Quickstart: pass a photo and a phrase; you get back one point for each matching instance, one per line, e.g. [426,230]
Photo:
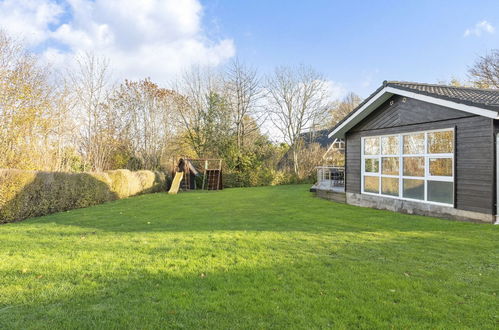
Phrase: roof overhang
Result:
[384,94]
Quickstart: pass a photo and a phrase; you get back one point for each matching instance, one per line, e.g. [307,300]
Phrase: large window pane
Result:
[426,160]
[413,189]
[414,143]
[372,165]
[371,146]
[441,142]
[390,165]
[390,186]
[414,166]
[390,145]
[440,166]
[371,184]
[441,192]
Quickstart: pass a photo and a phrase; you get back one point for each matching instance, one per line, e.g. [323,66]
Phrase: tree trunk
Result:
[295,160]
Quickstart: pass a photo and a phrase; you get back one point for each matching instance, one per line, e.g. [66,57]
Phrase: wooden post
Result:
[204,173]
[219,178]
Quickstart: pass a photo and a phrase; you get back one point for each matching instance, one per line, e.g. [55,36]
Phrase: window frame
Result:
[401,156]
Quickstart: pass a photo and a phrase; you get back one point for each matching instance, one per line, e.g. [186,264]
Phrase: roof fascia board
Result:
[360,114]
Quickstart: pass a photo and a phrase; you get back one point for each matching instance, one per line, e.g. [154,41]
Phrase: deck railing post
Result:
[334,175]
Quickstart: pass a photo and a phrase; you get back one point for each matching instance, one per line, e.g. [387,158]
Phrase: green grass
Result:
[272,257]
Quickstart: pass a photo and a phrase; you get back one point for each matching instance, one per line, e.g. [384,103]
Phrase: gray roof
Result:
[319,137]
[482,98]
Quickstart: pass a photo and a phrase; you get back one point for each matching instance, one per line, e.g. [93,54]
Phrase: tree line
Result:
[80,120]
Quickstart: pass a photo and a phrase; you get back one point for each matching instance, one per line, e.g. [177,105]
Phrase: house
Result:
[316,136]
[313,138]
[423,149]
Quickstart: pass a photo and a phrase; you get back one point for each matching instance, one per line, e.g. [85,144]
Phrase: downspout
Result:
[345,168]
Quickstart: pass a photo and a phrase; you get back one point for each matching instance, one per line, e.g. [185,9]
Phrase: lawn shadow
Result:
[277,209]
[270,258]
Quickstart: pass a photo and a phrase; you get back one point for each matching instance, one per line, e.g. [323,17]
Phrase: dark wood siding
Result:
[474,154]
[405,111]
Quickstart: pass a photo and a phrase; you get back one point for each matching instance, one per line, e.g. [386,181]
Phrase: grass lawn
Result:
[272,257]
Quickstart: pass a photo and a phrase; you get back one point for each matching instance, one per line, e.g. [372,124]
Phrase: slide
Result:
[176,183]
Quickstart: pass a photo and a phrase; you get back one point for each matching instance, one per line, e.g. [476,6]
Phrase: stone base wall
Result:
[409,207]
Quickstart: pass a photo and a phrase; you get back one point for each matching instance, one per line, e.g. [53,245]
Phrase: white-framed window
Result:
[416,166]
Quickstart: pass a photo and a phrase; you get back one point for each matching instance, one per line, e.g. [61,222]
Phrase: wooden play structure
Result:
[187,171]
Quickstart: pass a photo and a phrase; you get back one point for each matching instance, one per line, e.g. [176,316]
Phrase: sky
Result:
[355,44]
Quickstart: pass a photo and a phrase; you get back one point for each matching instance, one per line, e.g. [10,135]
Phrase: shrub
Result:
[127,183]
[233,179]
[262,177]
[123,183]
[25,194]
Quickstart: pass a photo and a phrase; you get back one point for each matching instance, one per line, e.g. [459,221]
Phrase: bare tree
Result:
[90,84]
[341,109]
[202,110]
[25,108]
[485,72]
[242,91]
[297,99]
[62,128]
[147,116]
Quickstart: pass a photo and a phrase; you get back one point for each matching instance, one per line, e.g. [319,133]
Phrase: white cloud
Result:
[479,28]
[29,20]
[335,91]
[368,78]
[149,38]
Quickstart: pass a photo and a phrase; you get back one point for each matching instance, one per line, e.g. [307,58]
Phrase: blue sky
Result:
[358,44]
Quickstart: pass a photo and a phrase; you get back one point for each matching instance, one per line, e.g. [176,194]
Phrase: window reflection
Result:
[371,146]
[440,166]
[390,186]
[414,143]
[441,142]
[390,145]
[413,189]
[372,165]
[371,184]
[441,192]
[413,166]
[390,165]
[426,171]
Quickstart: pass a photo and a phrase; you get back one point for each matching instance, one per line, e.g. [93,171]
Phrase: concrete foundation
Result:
[409,207]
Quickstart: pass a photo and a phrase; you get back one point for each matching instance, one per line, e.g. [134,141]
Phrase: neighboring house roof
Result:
[320,137]
[483,102]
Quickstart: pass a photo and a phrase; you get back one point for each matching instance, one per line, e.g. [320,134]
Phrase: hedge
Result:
[25,194]
[262,177]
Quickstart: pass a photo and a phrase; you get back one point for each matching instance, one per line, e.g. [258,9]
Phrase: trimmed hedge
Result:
[25,194]
[262,177]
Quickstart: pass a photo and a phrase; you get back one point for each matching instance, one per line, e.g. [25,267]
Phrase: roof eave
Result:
[387,92]
[359,114]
